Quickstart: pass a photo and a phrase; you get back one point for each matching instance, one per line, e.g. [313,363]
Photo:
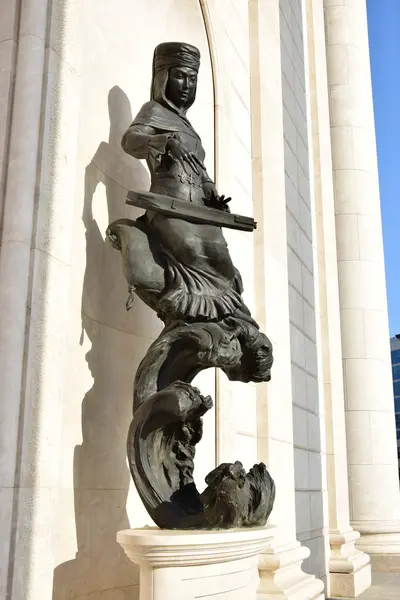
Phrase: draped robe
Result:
[201,280]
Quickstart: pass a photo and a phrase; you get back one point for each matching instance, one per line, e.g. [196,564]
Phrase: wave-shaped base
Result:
[167,425]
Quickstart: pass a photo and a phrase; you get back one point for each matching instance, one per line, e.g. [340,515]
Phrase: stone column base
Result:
[349,568]
[192,564]
[381,540]
[281,576]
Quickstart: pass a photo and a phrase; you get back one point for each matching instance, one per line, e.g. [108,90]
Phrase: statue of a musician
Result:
[177,261]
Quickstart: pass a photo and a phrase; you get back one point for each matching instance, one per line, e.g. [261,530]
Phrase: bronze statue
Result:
[176,260]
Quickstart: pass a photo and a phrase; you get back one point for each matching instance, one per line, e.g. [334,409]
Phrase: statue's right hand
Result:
[181,154]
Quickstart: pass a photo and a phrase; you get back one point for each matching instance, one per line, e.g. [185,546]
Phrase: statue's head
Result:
[175,68]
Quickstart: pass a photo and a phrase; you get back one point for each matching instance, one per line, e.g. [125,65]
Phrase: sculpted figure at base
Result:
[175,258]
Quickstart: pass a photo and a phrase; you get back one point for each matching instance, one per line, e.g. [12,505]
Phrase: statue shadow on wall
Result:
[101,475]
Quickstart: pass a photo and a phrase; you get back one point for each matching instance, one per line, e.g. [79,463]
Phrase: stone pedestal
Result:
[196,564]
[282,576]
[350,569]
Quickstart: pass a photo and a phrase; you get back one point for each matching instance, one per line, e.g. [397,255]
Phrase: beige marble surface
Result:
[281,571]
[374,499]
[385,586]
[196,564]
[69,349]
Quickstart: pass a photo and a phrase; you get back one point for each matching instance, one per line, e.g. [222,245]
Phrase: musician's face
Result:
[181,86]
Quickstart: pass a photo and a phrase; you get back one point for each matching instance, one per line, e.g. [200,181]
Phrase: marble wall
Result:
[75,350]
[69,491]
[236,402]
[308,419]
[8,43]
[70,350]
[8,39]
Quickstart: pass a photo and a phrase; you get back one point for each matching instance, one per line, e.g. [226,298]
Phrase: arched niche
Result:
[105,343]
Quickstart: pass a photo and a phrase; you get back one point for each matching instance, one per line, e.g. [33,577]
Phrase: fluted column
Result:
[370,425]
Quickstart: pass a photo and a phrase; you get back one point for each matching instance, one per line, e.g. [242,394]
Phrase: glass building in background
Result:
[395,354]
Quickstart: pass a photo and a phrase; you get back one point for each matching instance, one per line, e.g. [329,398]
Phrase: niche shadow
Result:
[101,476]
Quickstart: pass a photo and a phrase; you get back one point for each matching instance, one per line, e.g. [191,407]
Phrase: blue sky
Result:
[384,41]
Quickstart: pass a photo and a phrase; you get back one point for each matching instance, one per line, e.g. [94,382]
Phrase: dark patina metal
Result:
[176,260]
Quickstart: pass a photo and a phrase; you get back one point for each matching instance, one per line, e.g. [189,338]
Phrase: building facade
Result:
[285,112]
[395,356]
